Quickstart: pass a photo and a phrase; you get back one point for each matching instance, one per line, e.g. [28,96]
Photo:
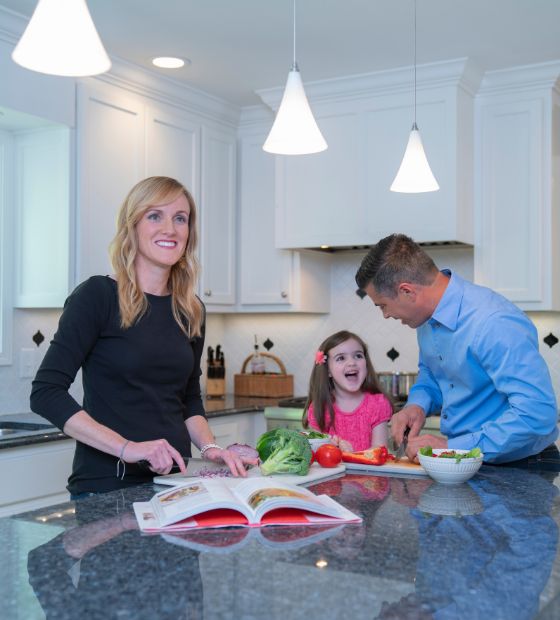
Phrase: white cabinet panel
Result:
[34,476]
[217,208]
[42,214]
[111,151]
[271,279]
[264,271]
[173,149]
[320,198]
[516,207]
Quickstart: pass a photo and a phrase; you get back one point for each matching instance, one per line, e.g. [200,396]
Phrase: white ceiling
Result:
[240,46]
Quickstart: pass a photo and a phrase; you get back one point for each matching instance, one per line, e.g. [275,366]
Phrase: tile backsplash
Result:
[295,336]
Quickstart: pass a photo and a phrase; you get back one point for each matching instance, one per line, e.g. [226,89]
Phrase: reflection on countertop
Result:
[215,407]
[492,552]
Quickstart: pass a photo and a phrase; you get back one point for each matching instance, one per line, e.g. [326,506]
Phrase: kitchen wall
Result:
[295,336]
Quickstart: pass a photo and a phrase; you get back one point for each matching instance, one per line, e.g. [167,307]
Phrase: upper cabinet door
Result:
[173,149]
[264,271]
[517,228]
[217,210]
[111,155]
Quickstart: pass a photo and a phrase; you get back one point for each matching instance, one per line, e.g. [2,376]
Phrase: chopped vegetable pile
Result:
[315,435]
[451,454]
[284,451]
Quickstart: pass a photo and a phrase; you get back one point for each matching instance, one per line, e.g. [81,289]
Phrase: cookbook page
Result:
[191,499]
[261,496]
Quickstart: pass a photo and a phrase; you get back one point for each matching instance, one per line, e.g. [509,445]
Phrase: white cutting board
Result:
[403,467]
[316,472]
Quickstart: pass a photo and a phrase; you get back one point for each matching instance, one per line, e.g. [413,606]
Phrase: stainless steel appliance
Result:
[397,384]
[287,414]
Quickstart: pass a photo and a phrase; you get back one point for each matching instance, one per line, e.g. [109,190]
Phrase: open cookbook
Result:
[252,503]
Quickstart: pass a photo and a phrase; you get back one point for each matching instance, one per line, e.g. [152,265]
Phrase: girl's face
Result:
[163,232]
[347,366]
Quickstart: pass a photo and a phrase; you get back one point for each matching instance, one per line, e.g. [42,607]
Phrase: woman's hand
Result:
[235,463]
[160,454]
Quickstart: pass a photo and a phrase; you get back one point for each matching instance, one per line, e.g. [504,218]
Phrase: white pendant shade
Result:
[414,175]
[294,131]
[61,39]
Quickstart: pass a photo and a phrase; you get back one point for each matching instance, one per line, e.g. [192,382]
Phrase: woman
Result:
[138,338]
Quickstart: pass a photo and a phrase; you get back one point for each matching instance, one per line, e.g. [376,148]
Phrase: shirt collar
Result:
[447,310]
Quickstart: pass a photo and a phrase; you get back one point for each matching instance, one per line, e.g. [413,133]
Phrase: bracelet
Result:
[122,449]
[119,475]
[207,447]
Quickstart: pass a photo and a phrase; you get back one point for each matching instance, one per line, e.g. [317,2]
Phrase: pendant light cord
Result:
[294,65]
[414,64]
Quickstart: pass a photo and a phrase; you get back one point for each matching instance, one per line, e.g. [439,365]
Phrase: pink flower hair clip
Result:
[320,358]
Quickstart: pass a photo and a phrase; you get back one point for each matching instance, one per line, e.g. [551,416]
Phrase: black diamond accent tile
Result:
[550,340]
[268,344]
[361,293]
[392,354]
[38,338]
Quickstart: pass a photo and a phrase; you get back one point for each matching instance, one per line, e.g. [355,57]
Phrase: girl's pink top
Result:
[356,426]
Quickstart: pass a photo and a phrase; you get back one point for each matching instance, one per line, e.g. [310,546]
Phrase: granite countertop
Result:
[215,407]
[484,549]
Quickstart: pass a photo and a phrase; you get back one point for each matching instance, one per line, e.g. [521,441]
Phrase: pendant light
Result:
[414,175]
[294,131]
[61,39]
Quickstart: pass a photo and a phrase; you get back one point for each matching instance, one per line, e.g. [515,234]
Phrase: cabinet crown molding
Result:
[524,77]
[460,72]
[144,82]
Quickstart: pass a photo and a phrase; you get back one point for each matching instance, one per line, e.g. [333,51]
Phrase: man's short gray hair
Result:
[395,259]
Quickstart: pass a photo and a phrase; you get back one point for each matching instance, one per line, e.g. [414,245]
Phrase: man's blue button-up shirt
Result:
[480,364]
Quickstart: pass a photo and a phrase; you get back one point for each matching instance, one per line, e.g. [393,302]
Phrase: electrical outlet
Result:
[27,364]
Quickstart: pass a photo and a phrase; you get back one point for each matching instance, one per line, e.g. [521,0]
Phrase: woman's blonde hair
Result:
[187,308]
[321,391]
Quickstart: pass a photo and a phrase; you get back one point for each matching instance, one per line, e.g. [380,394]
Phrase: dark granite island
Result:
[484,549]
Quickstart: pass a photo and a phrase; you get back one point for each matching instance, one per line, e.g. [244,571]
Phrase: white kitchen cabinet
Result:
[111,155]
[341,197]
[173,148]
[271,279]
[517,218]
[34,476]
[124,137]
[217,209]
[236,428]
[41,199]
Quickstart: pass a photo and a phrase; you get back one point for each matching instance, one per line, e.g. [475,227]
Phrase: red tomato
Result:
[328,455]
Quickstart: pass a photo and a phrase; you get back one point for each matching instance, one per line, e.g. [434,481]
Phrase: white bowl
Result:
[450,500]
[448,471]
[316,443]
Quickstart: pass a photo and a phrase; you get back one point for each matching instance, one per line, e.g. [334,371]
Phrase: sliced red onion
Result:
[244,450]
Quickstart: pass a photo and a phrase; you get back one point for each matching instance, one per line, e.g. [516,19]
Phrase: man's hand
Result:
[420,441]
[411,416]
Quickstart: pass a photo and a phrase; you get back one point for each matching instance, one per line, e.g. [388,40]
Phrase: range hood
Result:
[364,248]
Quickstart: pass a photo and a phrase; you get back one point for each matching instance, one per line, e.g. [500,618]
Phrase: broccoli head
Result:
[284,451]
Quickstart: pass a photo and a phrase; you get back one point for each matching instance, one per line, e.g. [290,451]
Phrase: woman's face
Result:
[163,232]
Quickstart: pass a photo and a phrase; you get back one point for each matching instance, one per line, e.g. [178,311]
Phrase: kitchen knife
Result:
[195,467]
[402,448]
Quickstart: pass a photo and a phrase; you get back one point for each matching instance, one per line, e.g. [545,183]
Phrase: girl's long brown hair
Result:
[187,308]
[321,389]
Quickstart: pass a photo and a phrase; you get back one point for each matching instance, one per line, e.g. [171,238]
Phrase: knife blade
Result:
[194,467]
[402,448]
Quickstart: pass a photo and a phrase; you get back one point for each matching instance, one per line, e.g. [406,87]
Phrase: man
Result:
[479,361]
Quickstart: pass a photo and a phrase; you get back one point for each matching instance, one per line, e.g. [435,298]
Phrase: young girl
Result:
[345,399]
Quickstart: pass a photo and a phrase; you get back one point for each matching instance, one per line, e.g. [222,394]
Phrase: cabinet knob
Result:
[283,294]
[208,293]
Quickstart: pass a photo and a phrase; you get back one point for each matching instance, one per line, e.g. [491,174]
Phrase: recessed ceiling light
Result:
[170,62]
